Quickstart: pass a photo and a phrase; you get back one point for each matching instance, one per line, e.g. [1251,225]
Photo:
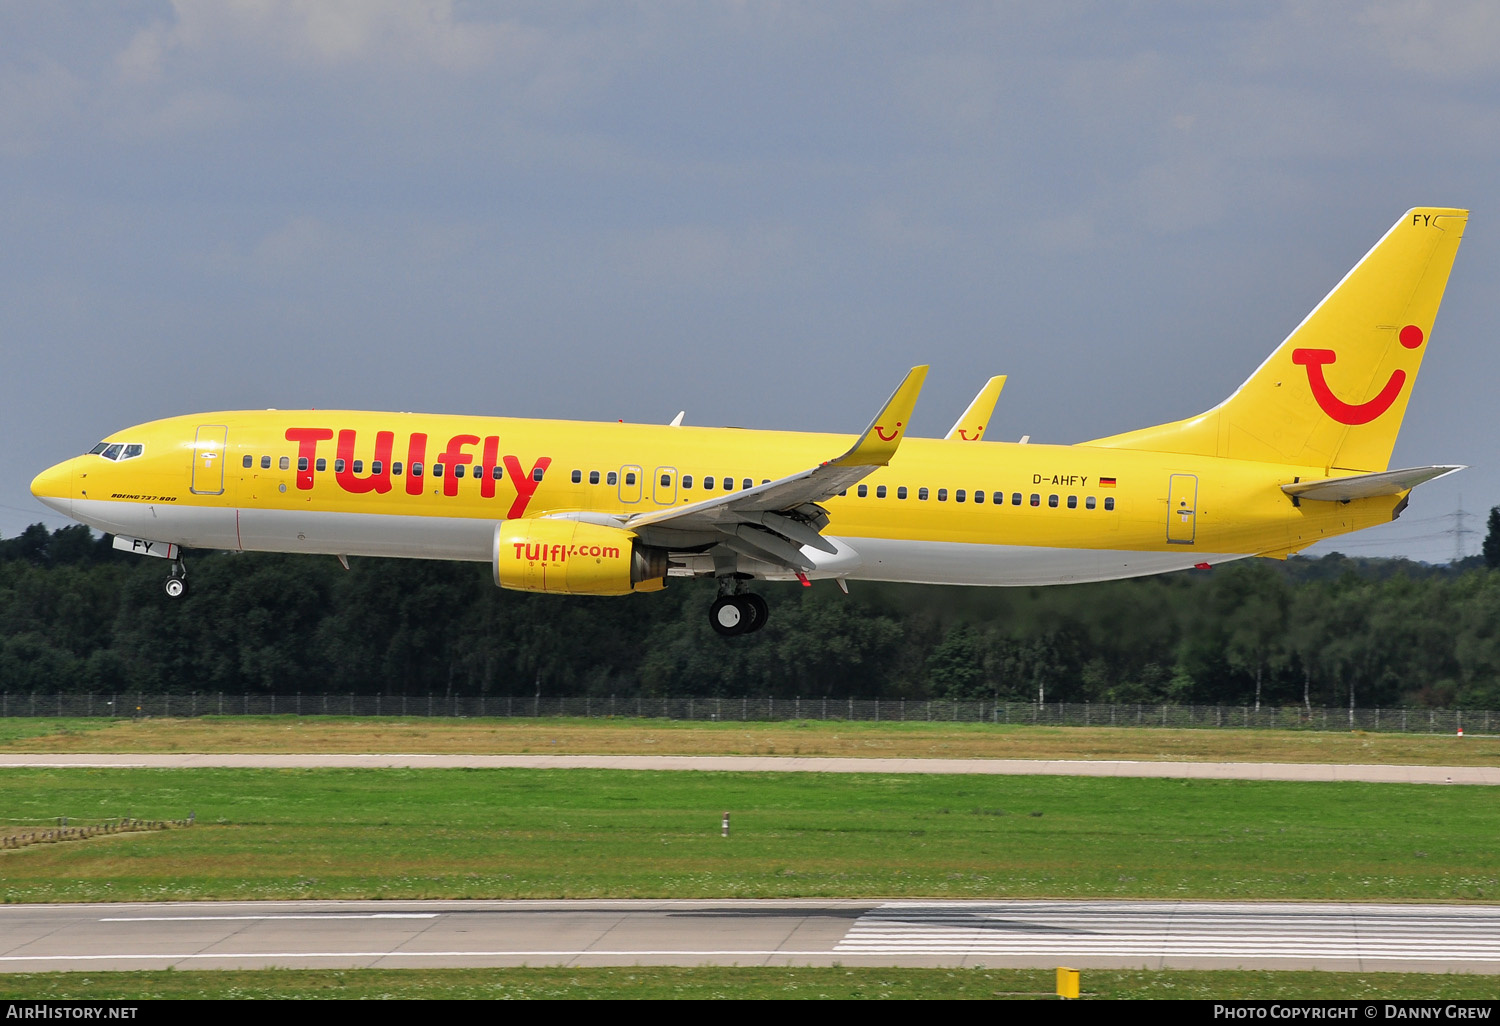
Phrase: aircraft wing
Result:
[772,521]
[1366,486]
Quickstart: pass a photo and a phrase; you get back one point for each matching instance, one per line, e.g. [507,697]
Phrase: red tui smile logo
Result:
[1349,413]
[887,437]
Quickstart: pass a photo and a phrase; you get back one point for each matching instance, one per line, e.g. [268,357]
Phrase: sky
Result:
[760,213]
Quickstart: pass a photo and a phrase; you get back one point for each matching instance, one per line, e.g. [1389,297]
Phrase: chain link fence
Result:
[762,709]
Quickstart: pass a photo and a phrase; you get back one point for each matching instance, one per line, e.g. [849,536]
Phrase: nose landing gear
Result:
[176,583]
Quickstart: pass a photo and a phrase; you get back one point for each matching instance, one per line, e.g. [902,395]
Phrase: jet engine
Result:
[570,557]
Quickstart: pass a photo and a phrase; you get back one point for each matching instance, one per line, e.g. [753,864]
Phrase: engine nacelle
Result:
[570,557]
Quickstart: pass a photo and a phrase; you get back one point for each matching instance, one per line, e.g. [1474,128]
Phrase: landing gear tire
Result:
[758,611]
[732,615]
[175,587]
[729,616]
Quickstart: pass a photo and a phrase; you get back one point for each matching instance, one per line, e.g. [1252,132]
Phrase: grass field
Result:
[595,833]
[667,737]
[523,833]
[714,983]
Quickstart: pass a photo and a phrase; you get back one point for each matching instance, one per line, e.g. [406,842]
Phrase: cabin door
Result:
[208,460]
[1182,509]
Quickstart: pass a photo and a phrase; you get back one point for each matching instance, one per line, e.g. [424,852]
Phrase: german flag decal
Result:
[1106,482]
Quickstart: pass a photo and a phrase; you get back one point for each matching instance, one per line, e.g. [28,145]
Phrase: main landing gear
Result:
[176,583]
[738,614]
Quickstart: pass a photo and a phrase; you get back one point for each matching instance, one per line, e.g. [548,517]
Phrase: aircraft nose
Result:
[54,487]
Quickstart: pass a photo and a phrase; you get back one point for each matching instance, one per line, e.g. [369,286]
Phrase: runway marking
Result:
[276,916]
[1023,929]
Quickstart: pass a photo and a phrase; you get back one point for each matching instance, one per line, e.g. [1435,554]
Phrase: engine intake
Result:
[570,557]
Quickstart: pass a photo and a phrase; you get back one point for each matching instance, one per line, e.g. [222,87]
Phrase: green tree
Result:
[1492,540]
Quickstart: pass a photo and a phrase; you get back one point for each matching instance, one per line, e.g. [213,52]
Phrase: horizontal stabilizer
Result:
[1366,486]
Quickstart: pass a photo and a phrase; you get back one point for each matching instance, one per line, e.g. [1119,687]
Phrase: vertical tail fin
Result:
[1334,393]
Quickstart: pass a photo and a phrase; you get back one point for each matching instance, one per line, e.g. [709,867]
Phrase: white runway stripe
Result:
[1150,929]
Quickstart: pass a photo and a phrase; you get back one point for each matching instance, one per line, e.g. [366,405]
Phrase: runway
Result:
[1327,772]
[994,934]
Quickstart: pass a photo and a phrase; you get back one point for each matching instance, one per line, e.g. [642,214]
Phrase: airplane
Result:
[1298,453]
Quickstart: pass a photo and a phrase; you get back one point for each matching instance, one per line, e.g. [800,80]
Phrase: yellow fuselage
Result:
[942,511]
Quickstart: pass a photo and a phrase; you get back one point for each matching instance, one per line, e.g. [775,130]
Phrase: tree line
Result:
[78,617]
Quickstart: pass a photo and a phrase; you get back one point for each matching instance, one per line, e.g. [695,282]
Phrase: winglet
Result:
[970,426]
[879,442]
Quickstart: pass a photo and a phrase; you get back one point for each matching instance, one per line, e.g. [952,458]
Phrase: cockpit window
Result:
[118,450]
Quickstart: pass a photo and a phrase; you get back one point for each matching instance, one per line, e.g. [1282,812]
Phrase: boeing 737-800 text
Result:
[1297,454]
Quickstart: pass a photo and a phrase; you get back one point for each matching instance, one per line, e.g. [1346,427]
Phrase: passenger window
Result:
[687,480]
[375,466]
[708,483]
[630,477]
[497,472]
[880,491]
[958,496]
[249,462]
[666,480]
[536,475]
[978,495]
[265,463]
[396,468]
[416,470]
[942,495]
[593,477]
[322,464]
[747,483]
[359,466]
[864,491]
[922,494]
[1036,500]
[999,498]
[286,463]
[1015,498]
[1089,502]
[437,470]
[1052,501]
[338,466]
[611,477]
[578,477]
[301,462]
[901,492]
[458,470]
[1072,502]
[1109,502]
